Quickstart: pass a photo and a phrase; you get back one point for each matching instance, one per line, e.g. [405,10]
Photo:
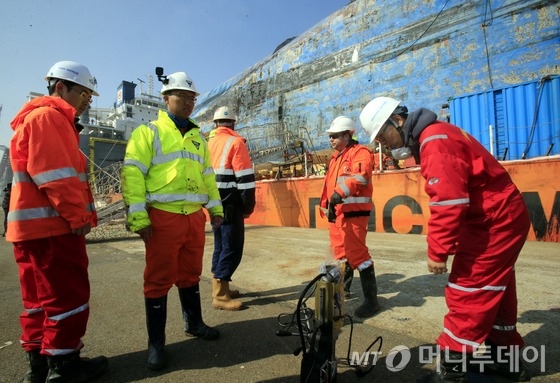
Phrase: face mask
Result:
[401,153]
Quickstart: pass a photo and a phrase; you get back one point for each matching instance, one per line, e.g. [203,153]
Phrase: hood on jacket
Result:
[415,123]
[44,102]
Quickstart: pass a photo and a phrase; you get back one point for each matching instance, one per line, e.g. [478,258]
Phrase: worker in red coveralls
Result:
[346,198]
[51,211]
[478,216]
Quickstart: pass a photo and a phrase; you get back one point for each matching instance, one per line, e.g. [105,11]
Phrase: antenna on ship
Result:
[141,82]
[151,84]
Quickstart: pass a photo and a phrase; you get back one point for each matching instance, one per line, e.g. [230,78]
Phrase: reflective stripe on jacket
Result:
[349,174]
[471,194]
[232,165]
[50,192]
[168,171]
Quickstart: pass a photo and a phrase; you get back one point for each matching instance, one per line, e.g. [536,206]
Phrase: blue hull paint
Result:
[424,53]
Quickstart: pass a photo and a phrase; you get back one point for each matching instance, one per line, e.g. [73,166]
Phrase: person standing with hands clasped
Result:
[51,211]
[167,179]
[347,201]
[478,216]
[236,181]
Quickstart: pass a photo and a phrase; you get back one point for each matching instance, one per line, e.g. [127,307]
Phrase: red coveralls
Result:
[478,215]
[349,174]
[50,197]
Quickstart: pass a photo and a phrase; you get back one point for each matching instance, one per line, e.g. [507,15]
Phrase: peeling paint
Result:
[424,56]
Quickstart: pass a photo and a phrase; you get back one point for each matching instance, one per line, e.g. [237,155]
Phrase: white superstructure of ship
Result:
[130,110]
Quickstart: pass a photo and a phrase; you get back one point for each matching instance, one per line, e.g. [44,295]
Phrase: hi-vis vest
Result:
[167,171]
[50,191]
[234,171]
[349,174]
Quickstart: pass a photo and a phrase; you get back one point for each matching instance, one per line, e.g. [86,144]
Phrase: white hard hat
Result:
[376,113]
[179,81]
[74,72]
[223,113]
[342,124]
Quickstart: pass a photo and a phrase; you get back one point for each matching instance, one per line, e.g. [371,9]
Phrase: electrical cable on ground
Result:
[308,329]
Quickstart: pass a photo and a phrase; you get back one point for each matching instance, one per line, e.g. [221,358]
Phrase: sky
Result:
[211,40]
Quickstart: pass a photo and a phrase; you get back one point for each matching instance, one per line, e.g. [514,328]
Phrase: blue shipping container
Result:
[517,122]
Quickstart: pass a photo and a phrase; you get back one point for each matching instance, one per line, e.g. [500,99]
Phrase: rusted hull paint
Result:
[400,204]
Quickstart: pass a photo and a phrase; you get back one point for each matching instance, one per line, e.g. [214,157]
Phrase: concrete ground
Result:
[277,265]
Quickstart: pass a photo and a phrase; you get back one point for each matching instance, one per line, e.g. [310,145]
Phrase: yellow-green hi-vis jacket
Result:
[168,171]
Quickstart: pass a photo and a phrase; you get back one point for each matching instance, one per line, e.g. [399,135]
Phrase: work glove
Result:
[331,214]
[336,198]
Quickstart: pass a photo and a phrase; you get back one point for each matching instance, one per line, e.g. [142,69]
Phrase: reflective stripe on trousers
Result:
[348,240]
[54,277]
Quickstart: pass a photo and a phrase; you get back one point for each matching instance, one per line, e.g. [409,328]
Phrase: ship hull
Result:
[424,53]
[400,203]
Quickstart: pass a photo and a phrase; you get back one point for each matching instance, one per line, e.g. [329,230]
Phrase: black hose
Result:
[535,116]
[298,309]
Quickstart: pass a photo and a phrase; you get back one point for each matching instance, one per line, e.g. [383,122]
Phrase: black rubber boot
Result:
[71,368]
[38,367]
[348,278]
[503,365]
[192,314]
[156,317]
[452,369]
[370,305]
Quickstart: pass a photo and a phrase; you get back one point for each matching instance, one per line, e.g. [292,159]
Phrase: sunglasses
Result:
[334,136]
[85,95]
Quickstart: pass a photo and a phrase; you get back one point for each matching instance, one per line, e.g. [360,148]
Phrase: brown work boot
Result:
[232,293]
[221,299]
